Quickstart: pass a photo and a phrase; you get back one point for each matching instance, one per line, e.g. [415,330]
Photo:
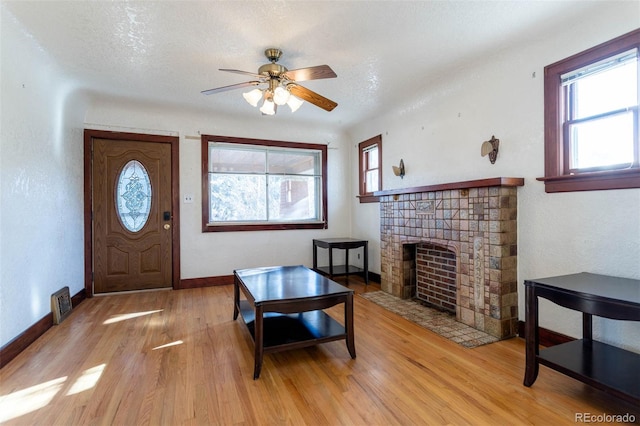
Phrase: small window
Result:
[591,119]
[260,185]
[601,109]
[370,165]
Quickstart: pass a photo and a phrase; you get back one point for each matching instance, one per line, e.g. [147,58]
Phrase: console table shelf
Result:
[340,270]
[597,364]
[605,367]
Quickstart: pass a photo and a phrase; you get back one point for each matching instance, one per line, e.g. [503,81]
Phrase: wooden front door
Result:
[132,213]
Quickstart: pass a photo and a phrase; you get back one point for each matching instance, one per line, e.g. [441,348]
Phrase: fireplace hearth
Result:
[471,228]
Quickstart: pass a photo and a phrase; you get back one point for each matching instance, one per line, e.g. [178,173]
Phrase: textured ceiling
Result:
[382,51]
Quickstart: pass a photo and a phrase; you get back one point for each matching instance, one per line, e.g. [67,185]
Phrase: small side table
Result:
[605,367]
[346,269]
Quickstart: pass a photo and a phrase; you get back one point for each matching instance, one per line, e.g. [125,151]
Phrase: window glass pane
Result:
[133,196]
[293,198]
[372,181]
[261,185]
[609,90]
[223,159]
[237,197]
[292,163]
[602,142]
[372,157]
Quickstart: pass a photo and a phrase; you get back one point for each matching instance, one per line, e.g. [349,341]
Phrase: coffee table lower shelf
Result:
[290,331]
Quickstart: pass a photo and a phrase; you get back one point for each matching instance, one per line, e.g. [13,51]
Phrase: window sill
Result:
[593,181]
[264,227]
[368,198]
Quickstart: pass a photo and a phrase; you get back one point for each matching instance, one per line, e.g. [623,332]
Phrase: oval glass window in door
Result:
[133,196]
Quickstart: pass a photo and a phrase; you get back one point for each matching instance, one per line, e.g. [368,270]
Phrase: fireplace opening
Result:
[436,277]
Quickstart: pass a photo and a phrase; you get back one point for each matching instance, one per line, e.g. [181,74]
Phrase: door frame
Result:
[89,136]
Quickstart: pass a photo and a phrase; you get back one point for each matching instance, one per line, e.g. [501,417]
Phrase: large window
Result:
[370,166]
[251,184]
[592,118]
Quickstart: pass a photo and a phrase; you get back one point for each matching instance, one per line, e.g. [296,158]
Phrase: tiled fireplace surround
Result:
[476,220]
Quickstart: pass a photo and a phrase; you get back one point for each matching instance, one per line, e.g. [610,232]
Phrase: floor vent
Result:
[60,305]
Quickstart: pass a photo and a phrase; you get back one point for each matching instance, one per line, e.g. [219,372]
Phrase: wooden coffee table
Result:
[283,309]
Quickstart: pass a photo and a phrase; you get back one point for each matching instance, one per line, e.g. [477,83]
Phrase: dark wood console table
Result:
[608,368]
[346,269]
[283,309]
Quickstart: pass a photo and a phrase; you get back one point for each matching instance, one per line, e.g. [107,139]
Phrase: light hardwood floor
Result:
[177,357]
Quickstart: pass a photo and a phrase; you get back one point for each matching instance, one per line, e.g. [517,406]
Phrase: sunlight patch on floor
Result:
[27,400]
[87,380]
[124,317]
[167,345]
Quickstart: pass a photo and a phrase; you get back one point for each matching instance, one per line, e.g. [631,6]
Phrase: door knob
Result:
[167,226]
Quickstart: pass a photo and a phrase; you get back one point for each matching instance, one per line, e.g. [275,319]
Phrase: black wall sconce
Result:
[399,170]
[490,147]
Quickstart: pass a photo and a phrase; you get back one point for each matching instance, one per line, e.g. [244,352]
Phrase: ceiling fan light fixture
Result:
[294,103]
[253,97]
[283,87]
[280,95]
[268,107]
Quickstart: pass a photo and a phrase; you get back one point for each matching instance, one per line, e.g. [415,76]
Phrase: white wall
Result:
[439,133]
[219,253]
[41,214]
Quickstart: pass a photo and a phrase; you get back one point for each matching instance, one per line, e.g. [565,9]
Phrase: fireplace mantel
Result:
[479,183]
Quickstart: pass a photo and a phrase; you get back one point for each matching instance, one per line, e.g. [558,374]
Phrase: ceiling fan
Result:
[282,85]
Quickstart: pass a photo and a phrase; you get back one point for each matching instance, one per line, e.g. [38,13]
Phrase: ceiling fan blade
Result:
[310,73]
[230,87]
[312,97]
[262,77]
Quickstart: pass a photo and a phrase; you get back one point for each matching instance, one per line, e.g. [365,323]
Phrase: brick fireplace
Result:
[436,276]
[470,230]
